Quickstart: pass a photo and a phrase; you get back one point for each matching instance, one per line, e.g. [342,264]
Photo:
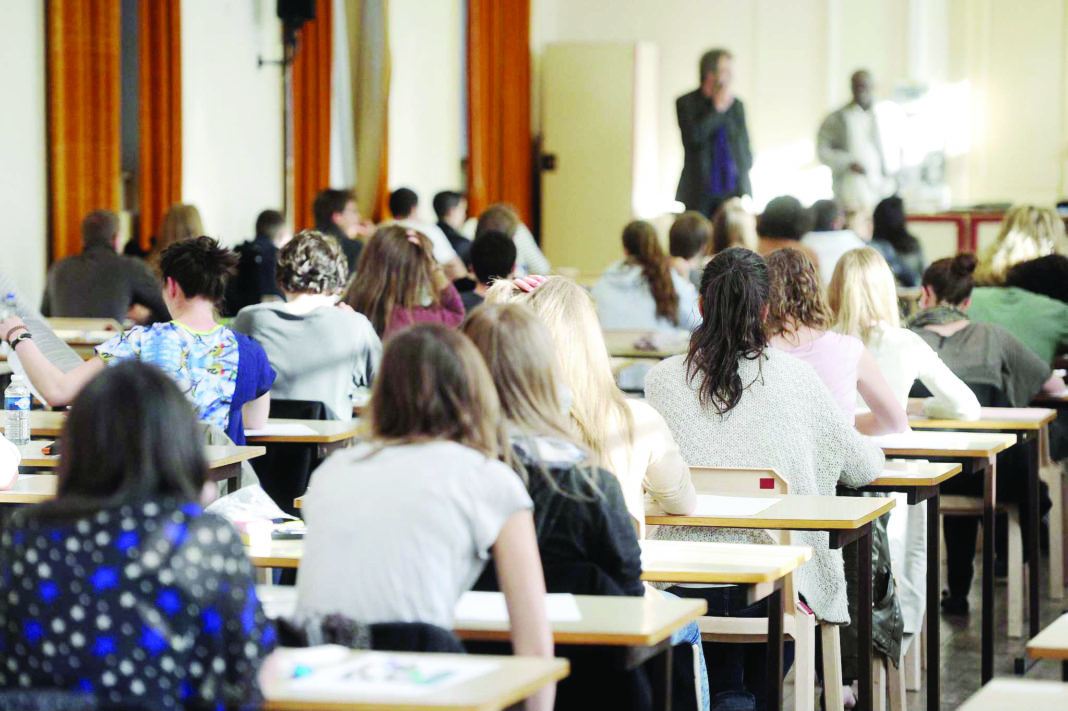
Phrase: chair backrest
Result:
[738,482]
[286,468]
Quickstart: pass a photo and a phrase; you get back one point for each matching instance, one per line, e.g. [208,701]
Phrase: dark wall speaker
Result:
[296,12]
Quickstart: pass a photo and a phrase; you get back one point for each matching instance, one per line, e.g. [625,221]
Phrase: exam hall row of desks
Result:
[976,451]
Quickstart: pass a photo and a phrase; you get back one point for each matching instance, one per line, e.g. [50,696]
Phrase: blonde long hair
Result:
[518,350]
[599,410]
[1027,232]
[862,293]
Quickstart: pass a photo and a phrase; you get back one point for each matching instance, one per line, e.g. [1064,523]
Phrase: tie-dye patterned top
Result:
[218,370]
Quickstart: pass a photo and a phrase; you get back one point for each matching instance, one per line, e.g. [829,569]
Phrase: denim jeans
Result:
[737,673]
[691,634]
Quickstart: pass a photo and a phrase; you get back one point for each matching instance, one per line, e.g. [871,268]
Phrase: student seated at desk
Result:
[585,535]
[122,586]
[628,437]
[782,224]
[982,355]
[689,244]
[733,401]
[398,283]
[863,297]
[225,374]
[400,526]
[798,322]
[320,350]
[642,291]
[493,257]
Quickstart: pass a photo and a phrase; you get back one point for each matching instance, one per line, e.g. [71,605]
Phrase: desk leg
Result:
[989,484]
[1032,533]
[1064,671]
[660,676]
[934,569]
[775,643]
[865,679]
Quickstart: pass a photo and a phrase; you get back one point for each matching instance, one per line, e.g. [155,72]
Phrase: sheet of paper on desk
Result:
[900,440]
[716,505]
[281,429]
[379,674]
[490,607]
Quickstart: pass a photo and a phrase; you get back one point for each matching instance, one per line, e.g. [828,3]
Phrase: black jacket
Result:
[351,247]
[698,122]
[587,541]
[254,279]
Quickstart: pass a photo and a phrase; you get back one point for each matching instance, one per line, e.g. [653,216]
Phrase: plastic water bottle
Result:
[8,309]
[17,411]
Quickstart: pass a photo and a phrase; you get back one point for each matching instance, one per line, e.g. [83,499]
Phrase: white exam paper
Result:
[716,505]
[490,607]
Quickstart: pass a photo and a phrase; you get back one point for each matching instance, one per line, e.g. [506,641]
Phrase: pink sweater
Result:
[450,312]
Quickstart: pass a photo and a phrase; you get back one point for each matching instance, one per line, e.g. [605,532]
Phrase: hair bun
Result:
[964,264]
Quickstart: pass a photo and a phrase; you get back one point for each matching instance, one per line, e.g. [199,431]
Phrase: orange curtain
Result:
[83,64]
[159,112]
[498,113]
[311,113]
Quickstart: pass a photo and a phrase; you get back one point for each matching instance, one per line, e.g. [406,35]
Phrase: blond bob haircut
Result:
[599,411]
[1027,232]
[518,349]
[433,385]
[181,222]
[862,293]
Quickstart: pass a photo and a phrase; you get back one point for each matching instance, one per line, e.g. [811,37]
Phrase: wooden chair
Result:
[799,623]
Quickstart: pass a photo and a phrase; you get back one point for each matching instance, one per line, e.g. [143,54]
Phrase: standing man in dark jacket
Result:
[714,137]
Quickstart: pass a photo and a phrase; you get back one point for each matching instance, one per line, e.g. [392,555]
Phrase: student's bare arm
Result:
[522,581]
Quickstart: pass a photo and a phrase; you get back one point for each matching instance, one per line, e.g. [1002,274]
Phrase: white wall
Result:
[23,179]
[793,59]
[425,95]
[231,113]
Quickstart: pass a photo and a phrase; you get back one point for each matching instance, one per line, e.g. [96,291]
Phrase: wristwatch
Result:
[24,336]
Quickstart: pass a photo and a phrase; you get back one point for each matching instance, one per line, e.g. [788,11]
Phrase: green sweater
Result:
[1039,321]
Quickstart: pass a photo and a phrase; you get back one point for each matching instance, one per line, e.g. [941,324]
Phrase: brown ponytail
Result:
[643,248]
[951,278]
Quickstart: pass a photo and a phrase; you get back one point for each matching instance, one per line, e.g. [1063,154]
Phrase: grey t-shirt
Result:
[399,534]
[322,355]
[987,354]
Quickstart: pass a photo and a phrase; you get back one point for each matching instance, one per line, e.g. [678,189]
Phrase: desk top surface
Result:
[701,562]
[623,344]
[605,620]
[217,455]
[662,561]
[790,512]
[925,443]
[1012,419]
[1052,642]
[1004,694]
[44,423]
[508,681]
[903,473]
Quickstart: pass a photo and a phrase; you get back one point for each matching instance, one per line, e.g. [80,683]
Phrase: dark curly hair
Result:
[796,297]
[311,263]
[734,290]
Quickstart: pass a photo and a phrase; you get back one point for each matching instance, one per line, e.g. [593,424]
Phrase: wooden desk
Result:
[920,482]
[760,568]
[31,489]
[224,462]
[44,423]
[513,680]
[845,519]
[977,453]
[1025,423]
[1054,399]
[1052,643]
[621,344]
[1018,694]
[633,630]
[85,324]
